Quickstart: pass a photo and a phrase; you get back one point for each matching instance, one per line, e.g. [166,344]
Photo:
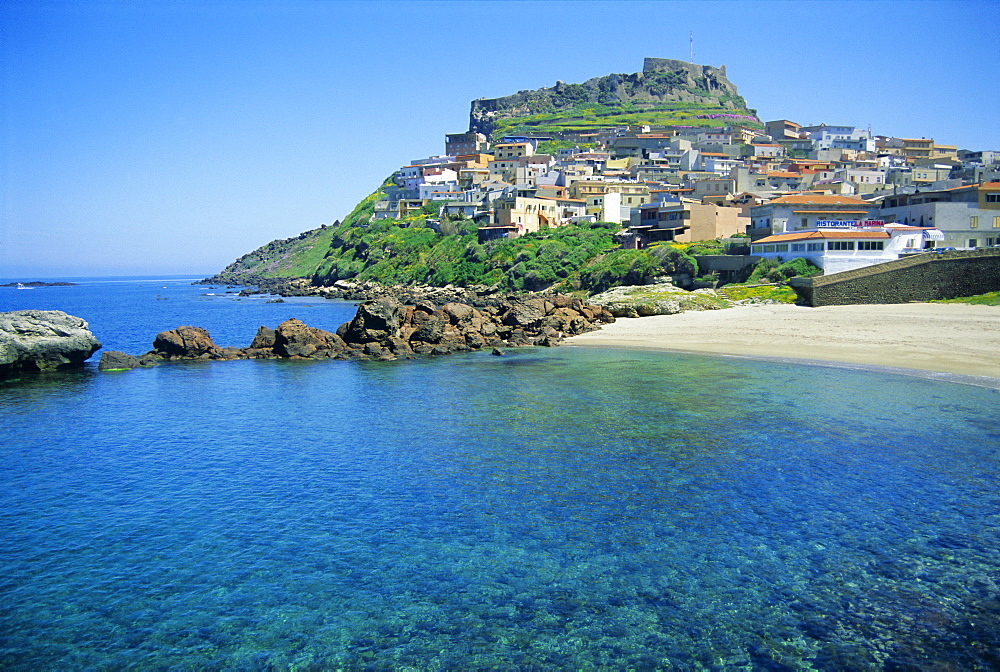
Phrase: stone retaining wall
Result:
[921,277]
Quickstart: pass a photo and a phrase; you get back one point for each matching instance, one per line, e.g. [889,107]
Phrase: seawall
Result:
[921,277]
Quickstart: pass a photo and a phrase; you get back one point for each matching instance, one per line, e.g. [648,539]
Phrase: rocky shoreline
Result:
[477,296]
[383,329]
[661,298]
[387,329]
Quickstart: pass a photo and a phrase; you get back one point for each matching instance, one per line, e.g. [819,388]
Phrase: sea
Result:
[553,508]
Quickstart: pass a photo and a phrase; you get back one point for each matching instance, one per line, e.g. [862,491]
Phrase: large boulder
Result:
[375,320]
[185,343]
[525,312]
[429,326]
[43,340]
[293,338]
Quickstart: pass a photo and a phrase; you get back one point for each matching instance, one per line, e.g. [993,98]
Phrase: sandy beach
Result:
[949,338]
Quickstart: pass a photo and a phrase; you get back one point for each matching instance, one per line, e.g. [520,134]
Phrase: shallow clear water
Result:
[563,508]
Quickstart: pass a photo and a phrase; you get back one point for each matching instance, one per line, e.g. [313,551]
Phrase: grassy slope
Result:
[988,299]
[595,117]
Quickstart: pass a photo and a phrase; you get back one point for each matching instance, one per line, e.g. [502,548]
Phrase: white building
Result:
[845,246]
[798,212]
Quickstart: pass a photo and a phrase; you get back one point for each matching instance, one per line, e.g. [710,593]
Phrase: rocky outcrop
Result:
[386,329]
[43,340]
[661,81]
[186,342]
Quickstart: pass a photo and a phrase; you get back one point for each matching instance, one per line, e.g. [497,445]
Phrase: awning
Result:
[934,234]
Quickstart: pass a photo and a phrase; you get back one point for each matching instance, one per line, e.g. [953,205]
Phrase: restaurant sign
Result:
[848,224]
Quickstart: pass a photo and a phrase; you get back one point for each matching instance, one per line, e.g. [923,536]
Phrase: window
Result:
[996,222]
[798,247]
[769,248]
[814,247]
[870,244]
[840,245]
[783,247]
[993,198]
[974,222]
[805,223]
[973,243]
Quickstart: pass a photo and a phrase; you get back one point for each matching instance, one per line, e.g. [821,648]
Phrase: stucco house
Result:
[968,216]
[683,220]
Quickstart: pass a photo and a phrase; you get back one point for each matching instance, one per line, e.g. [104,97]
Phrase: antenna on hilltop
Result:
[692,46]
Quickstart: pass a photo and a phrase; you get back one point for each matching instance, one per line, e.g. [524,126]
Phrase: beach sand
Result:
[951,338]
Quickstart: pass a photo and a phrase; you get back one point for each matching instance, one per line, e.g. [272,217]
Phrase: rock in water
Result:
[115,360]
[375,320]
[185,343]
[293,338]
[43,340]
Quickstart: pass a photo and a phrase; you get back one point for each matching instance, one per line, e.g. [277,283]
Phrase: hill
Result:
[424,247]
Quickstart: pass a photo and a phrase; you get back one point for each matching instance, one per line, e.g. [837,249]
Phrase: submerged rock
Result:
[115,360]
[43,340]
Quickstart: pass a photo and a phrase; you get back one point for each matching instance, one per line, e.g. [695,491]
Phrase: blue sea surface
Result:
[567,508]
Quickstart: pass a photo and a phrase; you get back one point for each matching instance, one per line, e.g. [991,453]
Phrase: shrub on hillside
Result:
[773,270]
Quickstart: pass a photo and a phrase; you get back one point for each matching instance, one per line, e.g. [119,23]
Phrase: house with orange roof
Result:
[798,212]
[845,246]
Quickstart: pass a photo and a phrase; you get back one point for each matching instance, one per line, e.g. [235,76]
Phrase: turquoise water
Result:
[551,509]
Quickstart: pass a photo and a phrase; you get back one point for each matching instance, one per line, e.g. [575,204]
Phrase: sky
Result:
[172,137]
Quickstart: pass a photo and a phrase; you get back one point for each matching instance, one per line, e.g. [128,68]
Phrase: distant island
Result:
[36,283]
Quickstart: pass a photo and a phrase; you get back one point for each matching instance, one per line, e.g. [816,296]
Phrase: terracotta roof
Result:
[783,173]
[824,235]
[819,199]
[553,198]
[829,212]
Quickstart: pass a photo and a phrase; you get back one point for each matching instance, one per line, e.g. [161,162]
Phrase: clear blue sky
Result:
[173,137]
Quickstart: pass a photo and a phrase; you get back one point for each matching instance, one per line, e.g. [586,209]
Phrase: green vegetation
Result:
[553,146]
[779,293]
[988,299]
[589,116]
[773,270]
[570,256]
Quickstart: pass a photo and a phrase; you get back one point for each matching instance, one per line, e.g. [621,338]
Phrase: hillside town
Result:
[839,196]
